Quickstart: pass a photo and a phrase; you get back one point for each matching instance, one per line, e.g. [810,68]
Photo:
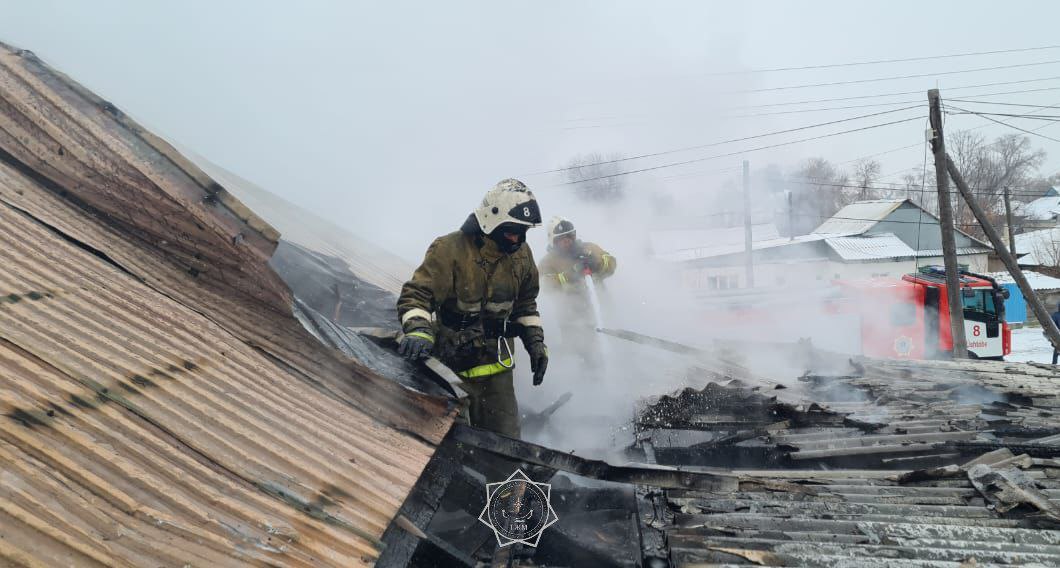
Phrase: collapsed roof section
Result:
[983,513]
[160,402]
[876,463]
[883,415]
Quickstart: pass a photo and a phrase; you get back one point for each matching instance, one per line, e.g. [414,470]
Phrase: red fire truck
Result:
[910,318]
[904,318]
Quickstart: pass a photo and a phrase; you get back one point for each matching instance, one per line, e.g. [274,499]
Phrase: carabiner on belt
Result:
[502,339]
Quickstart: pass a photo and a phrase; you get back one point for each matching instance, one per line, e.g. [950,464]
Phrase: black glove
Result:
[538,361]
[417,342]
[534,341]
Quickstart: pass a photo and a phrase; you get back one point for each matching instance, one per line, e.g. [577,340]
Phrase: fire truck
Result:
[910,318]
[905,318]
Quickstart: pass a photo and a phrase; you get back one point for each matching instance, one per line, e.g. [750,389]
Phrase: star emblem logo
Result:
[518,509]
[903,346]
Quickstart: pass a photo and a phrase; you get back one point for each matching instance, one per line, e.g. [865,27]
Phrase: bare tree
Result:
[988,167]
[597,177]
[866,172]
[916,188]
[819,190]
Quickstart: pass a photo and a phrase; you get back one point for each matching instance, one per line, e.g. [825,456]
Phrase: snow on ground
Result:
[1028,344]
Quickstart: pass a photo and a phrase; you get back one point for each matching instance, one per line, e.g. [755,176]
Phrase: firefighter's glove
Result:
[534,342]
[538,361]
[591,262]
[417,342]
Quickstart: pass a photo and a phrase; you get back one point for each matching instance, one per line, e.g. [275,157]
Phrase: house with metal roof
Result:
[877,238]
[1041,213]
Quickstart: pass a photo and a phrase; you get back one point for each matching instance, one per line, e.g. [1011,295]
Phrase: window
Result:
[979,304]
[712,282]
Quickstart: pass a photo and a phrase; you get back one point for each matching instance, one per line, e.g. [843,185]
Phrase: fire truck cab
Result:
[910,318]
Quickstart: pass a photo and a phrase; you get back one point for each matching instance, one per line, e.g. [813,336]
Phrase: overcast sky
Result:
[393,118]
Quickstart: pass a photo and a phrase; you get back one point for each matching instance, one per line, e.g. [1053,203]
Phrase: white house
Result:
[1041,213]
[1039,248]
[880,238]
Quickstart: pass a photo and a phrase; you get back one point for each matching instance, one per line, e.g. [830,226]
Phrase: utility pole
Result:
[791,215]
[747,236]
[1008,223]
[1010,261]
[949,246]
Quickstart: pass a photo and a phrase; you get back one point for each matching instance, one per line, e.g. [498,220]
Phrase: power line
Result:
[1036,107]
[672,164]
[826,217]
[1008,125]
[896,78]
[897,188]
[805,110]
[881,61]
[999,103]
[838,99]
[1046,117]
[951,89]
[712,144]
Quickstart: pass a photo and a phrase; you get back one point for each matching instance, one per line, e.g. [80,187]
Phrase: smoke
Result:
[648,296]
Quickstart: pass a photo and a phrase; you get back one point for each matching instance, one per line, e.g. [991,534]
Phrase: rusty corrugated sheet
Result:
[160,404]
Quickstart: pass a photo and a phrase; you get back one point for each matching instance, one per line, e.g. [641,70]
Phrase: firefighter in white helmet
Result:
[564,270]
[476,290]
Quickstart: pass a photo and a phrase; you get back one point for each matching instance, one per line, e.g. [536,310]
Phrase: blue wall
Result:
[1015,306]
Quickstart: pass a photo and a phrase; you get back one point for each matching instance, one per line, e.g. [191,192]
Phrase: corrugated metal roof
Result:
[161,404]
[828,468]
[884,246]
[1037,280]
[839,519]
[870,247]
[1041,209]
[1039,248]
[856,218]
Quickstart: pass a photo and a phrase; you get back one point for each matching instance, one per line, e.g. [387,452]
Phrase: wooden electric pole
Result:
[949,246]
[747,236]
[1008,223]
[1044,318]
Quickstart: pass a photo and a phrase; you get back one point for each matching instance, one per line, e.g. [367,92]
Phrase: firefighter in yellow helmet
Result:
[476,290]
[564,270]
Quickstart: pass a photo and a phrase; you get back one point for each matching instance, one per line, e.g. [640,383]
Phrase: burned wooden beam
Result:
[657,476]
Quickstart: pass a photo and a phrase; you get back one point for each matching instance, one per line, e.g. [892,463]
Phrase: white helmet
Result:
[508,202]
[559,226]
